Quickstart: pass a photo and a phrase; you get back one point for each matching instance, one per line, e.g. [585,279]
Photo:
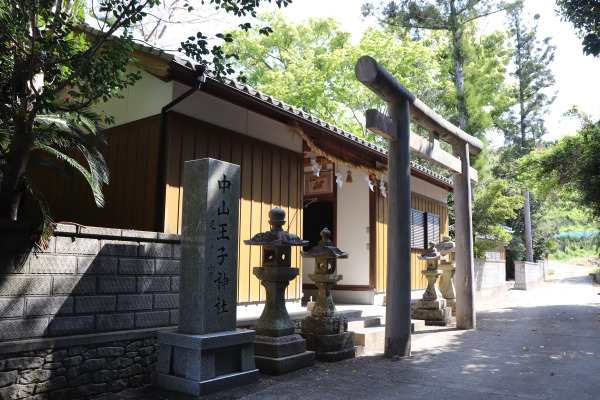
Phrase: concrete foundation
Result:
[199,364]
[280,355]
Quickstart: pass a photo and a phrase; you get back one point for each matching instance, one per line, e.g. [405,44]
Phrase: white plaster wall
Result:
[352,223]
[218,112]
[144,99]
[424,188]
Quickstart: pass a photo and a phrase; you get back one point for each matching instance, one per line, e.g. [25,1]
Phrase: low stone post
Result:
[325,331]
[277,348]
[432,307]
[448,267]
[207,353]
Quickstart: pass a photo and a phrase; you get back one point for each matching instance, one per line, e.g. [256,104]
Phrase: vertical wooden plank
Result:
[173,178]
[140,181]
[266,198]
[128,203]
[294,210]
[256,217]
[213,143]
[150,176]
[202,134]
[225,148]
[276,180]
[120,178]
[245,268]
[111,163]
[188,148]
[243,249]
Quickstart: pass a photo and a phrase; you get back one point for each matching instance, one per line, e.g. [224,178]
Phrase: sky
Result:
[573,71]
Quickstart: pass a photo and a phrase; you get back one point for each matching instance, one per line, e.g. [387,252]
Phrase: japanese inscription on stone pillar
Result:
[208,285]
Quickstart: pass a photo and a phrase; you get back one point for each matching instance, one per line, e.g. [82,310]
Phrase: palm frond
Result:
[48,224]
[91,178]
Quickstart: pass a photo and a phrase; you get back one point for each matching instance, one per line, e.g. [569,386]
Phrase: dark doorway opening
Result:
[317,216]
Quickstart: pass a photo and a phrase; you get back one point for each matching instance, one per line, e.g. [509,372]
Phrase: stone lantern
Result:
[277,348]
[446,247]
[432,307]
[325,331]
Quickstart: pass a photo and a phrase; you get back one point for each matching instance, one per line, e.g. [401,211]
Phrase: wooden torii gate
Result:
[403,106]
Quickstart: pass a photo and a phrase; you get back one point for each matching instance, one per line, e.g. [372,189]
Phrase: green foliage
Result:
[570,247]
[467,68]
[311,66]
[585,16]
[491,211]
[572,165]
[45,58]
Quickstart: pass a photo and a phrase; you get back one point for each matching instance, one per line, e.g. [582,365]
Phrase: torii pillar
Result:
[402,107]
[398,291]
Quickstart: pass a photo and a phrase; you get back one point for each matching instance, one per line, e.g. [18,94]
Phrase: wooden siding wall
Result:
[131,157]
[420,203]
[270,177]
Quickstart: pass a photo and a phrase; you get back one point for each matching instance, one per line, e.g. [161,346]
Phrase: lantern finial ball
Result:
[276,219]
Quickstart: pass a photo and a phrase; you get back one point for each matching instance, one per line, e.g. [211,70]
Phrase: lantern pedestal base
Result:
[434,312]
[199,364]
[328,337]
[336,347]
[280,355]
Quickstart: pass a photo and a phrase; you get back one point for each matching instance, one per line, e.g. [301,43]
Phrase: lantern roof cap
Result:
[325,248]
[276,236]
[446,245]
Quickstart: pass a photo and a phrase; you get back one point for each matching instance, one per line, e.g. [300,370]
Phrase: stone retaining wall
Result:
[89,280]
[527,275]
[81,317]
[76,368]
[490,279]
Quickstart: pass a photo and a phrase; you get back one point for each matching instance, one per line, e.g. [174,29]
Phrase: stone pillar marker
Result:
[206,353]
[446,248]
[325,331]
[278,349]
[432,307]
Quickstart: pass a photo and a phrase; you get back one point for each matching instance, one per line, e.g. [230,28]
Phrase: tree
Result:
[585,16]
[454,17]
[572,165]
[45,58]
[311,66]
[491,211]
[533,75]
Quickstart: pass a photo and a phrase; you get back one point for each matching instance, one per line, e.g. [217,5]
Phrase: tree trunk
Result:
[458,66]
[528,238]
[11,187]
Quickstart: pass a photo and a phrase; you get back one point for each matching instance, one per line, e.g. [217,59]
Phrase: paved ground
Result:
[539,344]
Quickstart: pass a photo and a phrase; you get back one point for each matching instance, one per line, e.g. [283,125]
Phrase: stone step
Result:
[371,335]
[355,324]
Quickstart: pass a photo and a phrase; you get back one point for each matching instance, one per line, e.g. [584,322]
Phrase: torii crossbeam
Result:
[403,106]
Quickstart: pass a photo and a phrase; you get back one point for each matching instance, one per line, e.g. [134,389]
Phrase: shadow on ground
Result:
[539,346]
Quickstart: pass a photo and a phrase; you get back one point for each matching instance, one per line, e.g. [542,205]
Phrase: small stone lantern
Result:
[432,307]
[277,348]
[325,331]
[446,247]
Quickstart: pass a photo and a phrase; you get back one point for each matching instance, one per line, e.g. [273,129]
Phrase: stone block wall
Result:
[489,279]
[89,280]
[527,275]
[77,369]
[80,318]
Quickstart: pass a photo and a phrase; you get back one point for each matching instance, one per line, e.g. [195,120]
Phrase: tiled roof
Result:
[249,91]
